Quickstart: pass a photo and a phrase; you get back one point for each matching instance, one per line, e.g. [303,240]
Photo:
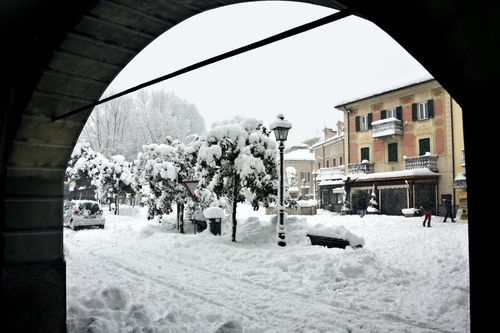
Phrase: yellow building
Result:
[460,181]
[406,145]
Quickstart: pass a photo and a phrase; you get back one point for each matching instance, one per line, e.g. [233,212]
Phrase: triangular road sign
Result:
[191,186]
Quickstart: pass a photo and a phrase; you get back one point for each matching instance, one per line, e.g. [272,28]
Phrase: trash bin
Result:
[214,216]
[215,225]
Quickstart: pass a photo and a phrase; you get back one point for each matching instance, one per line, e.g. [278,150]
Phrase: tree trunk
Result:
[180,217]
[117,205]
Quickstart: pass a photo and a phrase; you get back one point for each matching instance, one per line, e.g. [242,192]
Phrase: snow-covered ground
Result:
[141,276]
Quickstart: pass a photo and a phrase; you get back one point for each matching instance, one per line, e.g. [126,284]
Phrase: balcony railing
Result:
[428,161]
[460,181]
[330,173]
[387,127]
[365,167]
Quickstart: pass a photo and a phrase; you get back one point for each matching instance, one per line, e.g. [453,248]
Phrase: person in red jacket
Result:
[427,212]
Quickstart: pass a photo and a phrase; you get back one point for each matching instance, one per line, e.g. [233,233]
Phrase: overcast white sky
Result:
[303,76]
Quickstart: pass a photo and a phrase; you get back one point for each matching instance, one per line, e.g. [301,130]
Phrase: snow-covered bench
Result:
[330,242]
[336,236]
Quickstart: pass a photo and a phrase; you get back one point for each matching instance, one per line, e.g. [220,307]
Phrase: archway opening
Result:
[281,69]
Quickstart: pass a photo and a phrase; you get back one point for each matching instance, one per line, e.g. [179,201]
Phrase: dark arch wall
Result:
[60,55]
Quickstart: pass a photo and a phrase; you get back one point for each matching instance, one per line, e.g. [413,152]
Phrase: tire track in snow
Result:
[251,299]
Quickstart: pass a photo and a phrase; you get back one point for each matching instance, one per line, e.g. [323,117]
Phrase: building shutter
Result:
[370,119]
[392,152]
[357,124]
[399,113]
[430,108]
[414,112]
[383,114]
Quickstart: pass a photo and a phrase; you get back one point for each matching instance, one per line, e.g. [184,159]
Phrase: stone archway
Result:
[60,55]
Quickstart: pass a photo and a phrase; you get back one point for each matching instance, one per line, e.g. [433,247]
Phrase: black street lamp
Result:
[281,127]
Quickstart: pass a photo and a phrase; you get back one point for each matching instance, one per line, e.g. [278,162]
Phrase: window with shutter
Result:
[365,154]
[364,123]
[392,152]
[399,113]
[391,113]
[423,111]
[424,146]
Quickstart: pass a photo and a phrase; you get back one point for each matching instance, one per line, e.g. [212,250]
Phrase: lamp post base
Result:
[281,239]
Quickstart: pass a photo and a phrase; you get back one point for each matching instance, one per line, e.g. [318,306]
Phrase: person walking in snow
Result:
[255,204]
[427,212]
[362,204]
[347,191]
[447,206]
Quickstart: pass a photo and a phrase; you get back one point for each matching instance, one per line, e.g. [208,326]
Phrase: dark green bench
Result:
[330,242]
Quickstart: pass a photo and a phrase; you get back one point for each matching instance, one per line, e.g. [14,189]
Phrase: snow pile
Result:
[307,203]
[409,211]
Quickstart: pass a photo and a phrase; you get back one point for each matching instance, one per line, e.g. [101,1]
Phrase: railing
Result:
[330,173]
[386,127]
[426,161]
[460,181]
[365,167]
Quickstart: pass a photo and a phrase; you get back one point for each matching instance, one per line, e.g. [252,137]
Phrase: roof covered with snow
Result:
[299,155]
[410,84]
[329,140]
[394,174]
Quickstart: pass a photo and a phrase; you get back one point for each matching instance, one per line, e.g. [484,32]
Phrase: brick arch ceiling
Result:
[60,55]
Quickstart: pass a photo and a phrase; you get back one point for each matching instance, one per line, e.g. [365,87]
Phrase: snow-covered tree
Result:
[373,208]
[187,169]
[116,179]
[162,169]
[84,168]
[144,181]
[237,154]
